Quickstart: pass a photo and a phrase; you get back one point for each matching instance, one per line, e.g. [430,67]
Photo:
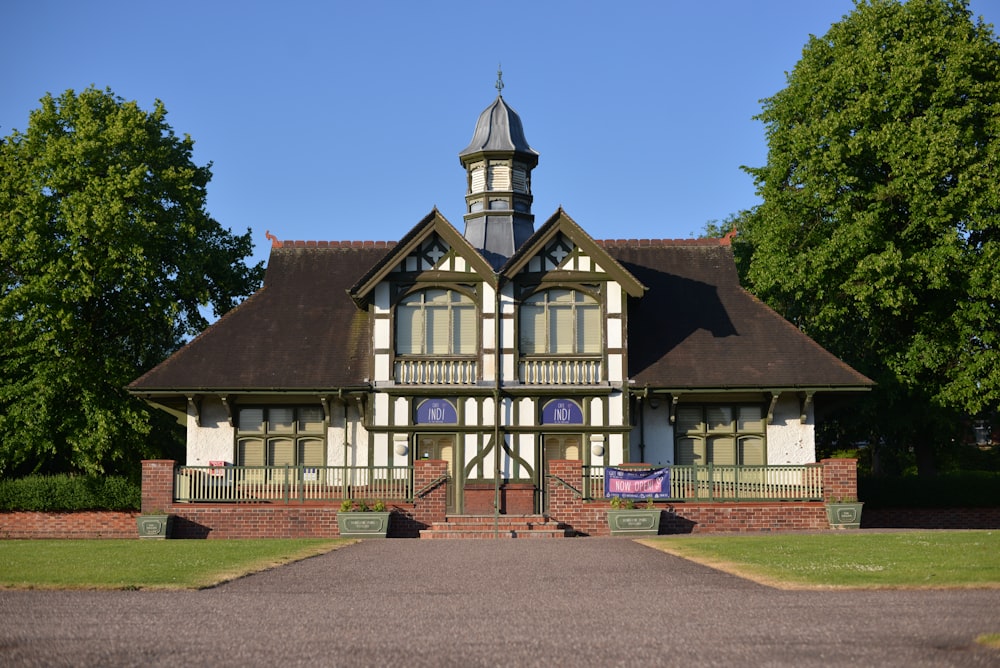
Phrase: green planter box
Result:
[154,526]
[844,515]
[363,525]
[634,522]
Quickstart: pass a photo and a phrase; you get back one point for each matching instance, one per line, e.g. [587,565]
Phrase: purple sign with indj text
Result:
[562,411]
[436,411]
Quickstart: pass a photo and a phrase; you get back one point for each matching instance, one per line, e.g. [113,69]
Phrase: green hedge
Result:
[66,492]
[959,489]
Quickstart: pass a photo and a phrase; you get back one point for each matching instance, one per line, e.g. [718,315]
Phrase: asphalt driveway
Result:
[580,602]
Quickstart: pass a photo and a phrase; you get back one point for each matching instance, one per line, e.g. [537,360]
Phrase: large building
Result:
[499,350]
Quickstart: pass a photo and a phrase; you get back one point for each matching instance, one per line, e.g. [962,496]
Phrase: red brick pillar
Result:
[563,501]
[157,484]
[840,479]
[431,506]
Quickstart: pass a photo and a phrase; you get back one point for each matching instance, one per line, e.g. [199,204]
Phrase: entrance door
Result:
[556,446]
[442,446]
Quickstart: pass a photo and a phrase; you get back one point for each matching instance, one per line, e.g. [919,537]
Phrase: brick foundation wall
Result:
[585,517]
[80,524]
[515,499]
[590,517]
[267,520]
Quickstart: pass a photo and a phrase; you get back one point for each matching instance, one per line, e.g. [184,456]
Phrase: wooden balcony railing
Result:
[560,371]
[291,484]
[729,483]
[437,371]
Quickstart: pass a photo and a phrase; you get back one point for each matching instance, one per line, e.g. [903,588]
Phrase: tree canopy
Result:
[879,231]
[107,258]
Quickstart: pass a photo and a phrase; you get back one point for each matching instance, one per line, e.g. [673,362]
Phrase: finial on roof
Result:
[499,83]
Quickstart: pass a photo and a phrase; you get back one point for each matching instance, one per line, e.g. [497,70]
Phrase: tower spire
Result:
[498,164]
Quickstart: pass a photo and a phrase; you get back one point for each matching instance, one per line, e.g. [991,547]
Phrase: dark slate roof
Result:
[697,328]
[498,129]
[300,331]
[694,327]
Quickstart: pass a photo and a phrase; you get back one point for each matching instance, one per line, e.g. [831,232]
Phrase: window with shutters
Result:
[281,435]
[436,322]
[560,322]
[720,434]
[561,338]
[436,338]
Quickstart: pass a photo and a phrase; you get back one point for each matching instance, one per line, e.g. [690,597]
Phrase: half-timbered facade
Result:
[498,350]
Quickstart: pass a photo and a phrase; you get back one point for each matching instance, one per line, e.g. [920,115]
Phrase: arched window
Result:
[560,322]
[436,322]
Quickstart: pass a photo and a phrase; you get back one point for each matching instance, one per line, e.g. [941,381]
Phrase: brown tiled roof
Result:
[300,331]
[697,328]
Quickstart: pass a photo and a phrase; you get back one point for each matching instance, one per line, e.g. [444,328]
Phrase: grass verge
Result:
[848,560]
[145,564]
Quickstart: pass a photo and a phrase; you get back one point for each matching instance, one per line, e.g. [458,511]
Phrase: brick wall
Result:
[565,505]
[590,517]
[840,479]
[266,520]
[82,524]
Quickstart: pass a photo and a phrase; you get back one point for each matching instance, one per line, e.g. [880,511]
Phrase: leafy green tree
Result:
[715,229]
[879,231]
[107,255]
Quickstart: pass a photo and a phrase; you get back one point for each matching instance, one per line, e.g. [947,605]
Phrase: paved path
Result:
[578,602]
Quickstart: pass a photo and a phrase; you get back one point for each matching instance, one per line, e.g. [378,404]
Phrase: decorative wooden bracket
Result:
[770,409]
[194,406]
[224,398]
[806,401]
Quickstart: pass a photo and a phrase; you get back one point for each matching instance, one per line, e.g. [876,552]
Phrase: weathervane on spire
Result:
[499,80]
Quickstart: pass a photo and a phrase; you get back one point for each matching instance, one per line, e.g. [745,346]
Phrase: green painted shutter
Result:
[310,419]
[281,420]
[310,452]
[250,452]
[752,451]
[688,420]
[722,450]
[690,451]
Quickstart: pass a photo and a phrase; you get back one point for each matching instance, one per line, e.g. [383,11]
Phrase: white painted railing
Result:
[560,371]
[730,483]
[290,484]
[436,372]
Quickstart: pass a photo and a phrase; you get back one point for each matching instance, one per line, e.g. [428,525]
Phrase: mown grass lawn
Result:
[145,564]
[919,559]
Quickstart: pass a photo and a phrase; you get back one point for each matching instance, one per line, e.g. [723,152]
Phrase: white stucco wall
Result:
[214,439]
[789,441]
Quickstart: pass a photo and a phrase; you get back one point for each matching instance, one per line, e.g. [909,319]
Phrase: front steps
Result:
[504,526]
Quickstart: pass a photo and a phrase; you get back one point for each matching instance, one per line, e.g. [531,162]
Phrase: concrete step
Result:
[486,526]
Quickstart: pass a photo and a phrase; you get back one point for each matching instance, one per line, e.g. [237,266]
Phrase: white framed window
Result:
[560,322]
[436,322]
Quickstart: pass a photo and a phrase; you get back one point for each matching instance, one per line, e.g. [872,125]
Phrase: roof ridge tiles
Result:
[659,243]
[299,243]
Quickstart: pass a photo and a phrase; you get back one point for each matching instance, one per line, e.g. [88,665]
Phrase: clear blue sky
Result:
[343,120]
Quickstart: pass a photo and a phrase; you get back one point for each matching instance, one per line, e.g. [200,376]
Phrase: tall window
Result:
[715,434]
[564,322]
[436,322]
[280,435]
